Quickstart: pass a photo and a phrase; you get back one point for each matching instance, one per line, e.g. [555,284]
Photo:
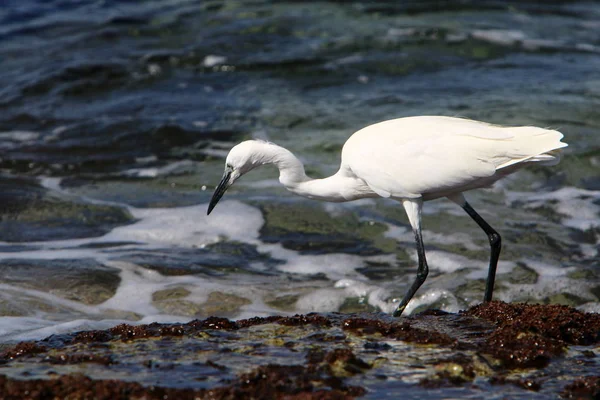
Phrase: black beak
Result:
[220,190]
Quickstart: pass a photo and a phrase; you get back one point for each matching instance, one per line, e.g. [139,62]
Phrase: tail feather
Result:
[547,159]
[531,144]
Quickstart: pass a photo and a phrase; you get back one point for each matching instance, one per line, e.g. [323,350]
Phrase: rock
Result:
[83,280]
[172,301]
[522,274]
[29,212]
[310,229]
[329,356]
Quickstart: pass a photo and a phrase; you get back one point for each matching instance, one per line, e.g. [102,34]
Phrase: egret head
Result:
[241,159]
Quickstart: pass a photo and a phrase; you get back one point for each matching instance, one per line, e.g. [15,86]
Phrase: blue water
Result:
[115,117]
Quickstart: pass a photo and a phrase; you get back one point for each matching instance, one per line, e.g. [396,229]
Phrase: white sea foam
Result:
[334,266]
[373,294]
[320,300]
[406,235]
[49,298]
[213,60]
[450,262]
[11,325]
[499,36]
[19,136]
[506,37]
[591,307]
[10,140]
[189,227]
[546,270]
[175,168]
[432,296]
[135,291]
[39,329]
[577,205]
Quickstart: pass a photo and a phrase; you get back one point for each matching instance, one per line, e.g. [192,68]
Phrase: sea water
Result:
[116,118]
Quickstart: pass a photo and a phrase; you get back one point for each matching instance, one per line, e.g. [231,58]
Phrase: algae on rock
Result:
[309,228]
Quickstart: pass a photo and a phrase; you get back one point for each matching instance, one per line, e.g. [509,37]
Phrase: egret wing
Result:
[407,167]
[434,156]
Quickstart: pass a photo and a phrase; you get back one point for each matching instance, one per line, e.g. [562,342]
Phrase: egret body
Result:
[410,160]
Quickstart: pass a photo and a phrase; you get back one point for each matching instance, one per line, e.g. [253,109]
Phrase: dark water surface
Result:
[116,116]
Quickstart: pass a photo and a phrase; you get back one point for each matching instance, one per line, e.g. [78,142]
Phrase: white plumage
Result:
[432,156]
[411,160]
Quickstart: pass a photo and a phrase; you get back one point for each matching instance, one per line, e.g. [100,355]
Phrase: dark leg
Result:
[495,244]
[422,272]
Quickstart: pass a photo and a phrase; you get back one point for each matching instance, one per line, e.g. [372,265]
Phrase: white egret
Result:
[410,160]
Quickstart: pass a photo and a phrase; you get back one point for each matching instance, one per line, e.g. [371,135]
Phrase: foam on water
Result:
[135,291]
[375,295]
[450,262]
[173,168]
[434,296]
[406,235]
[508,37]
[12,140]
[334,265]
[319,300]
[36,328]
[580,207]
[189,227]
[498,36]
[49,298]
[185,227]
[155,228]
[141,121]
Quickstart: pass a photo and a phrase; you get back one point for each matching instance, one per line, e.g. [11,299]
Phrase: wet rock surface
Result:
[311,230]
[588,387]
[500,349]
[83,280]
[212,260]
[30,212]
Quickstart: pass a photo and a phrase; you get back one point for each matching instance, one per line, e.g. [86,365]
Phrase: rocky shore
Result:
[496,349]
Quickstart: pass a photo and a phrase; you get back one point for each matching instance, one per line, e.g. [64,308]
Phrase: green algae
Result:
[309,228]
[356,305]
[121,314]
[579,167]
[172,301]
[30,212]
[179,191]
[83,280]
[583,274]
[565,299]
[475,288]
[595,291]
[384,271]
[78,213]
[26,306]
[226,304]
[522,274]
[282,303]
[170,294]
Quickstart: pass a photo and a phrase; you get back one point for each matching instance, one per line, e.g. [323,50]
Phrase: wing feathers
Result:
[413,156]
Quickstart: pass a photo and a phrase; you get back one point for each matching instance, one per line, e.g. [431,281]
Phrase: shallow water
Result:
[115,118]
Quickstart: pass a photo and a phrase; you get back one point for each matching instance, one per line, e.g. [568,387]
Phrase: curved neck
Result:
[291,170]
[337,188]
